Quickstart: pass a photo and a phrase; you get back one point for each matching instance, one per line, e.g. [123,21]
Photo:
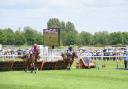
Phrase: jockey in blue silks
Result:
[69,51]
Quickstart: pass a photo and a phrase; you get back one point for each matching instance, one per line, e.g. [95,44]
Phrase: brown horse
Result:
[69,58]
[31,62]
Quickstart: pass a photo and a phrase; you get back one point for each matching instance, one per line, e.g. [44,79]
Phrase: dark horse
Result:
[31,62]
[69,58]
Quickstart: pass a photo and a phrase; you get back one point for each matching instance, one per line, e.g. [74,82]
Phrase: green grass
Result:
[104,78]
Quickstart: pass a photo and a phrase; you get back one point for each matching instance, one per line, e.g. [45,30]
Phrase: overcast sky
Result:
[87,15]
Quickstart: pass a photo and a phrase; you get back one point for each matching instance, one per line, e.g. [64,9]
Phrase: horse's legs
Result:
[25,66]
[36,65]
[69,65]
[33,67]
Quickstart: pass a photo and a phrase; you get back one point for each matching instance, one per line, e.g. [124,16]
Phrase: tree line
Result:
[28,36]
[68,35]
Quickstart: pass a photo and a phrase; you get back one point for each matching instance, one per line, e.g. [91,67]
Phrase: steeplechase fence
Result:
[52,60]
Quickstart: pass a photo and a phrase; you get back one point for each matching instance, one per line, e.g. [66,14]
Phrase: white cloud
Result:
[89,15]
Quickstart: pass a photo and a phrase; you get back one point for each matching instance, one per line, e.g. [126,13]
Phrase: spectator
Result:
[88,58]
[126,59]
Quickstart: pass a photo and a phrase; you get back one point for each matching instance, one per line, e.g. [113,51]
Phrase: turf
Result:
[104,78]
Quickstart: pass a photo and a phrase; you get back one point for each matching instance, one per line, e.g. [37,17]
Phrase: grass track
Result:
[105,78]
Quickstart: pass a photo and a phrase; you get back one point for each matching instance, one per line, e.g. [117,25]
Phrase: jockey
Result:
[69,51]
[33,50]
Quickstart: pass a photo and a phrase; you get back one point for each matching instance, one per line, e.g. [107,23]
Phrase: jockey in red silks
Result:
[33,50]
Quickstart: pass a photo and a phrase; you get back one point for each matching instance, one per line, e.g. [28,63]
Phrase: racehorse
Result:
[69,58]
[31,61]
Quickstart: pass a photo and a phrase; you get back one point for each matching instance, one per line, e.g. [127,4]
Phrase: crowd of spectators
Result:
[11,52]
[82,52]
[106,53]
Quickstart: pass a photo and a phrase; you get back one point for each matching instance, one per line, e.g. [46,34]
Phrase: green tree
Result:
[7,36]
[101,38]
[86,38]
[32,36]
[71,35]
[29,35]
[53,23]
[125,38]
[71,39]
[19,38]
[116,38]
[70,27]
[62,32]
[1,37]
[38,37]
[68,33]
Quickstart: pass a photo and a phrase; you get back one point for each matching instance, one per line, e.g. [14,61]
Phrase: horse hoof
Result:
[26,71]
[68,69]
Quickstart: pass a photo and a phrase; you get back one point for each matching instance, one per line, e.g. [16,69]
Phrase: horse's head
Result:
[64,55]
[74,55]
[25,54]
